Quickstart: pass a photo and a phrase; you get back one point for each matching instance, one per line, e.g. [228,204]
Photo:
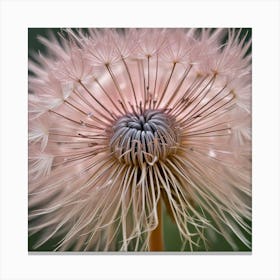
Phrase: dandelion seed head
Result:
[120,119]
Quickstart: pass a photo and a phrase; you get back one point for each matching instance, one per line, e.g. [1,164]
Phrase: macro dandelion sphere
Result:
[127,125]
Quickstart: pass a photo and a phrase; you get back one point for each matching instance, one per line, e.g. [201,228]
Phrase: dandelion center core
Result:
[143,138]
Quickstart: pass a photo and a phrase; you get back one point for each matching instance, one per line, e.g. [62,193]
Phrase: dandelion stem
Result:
[156,237]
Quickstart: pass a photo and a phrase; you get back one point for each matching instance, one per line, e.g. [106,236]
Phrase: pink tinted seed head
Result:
[120,119]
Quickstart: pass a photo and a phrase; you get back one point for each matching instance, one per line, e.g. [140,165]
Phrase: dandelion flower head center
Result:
[144,138]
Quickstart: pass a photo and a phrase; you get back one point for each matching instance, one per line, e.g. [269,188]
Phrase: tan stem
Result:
[156,237]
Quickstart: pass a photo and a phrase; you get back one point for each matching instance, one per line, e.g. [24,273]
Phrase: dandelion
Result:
[127,123]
